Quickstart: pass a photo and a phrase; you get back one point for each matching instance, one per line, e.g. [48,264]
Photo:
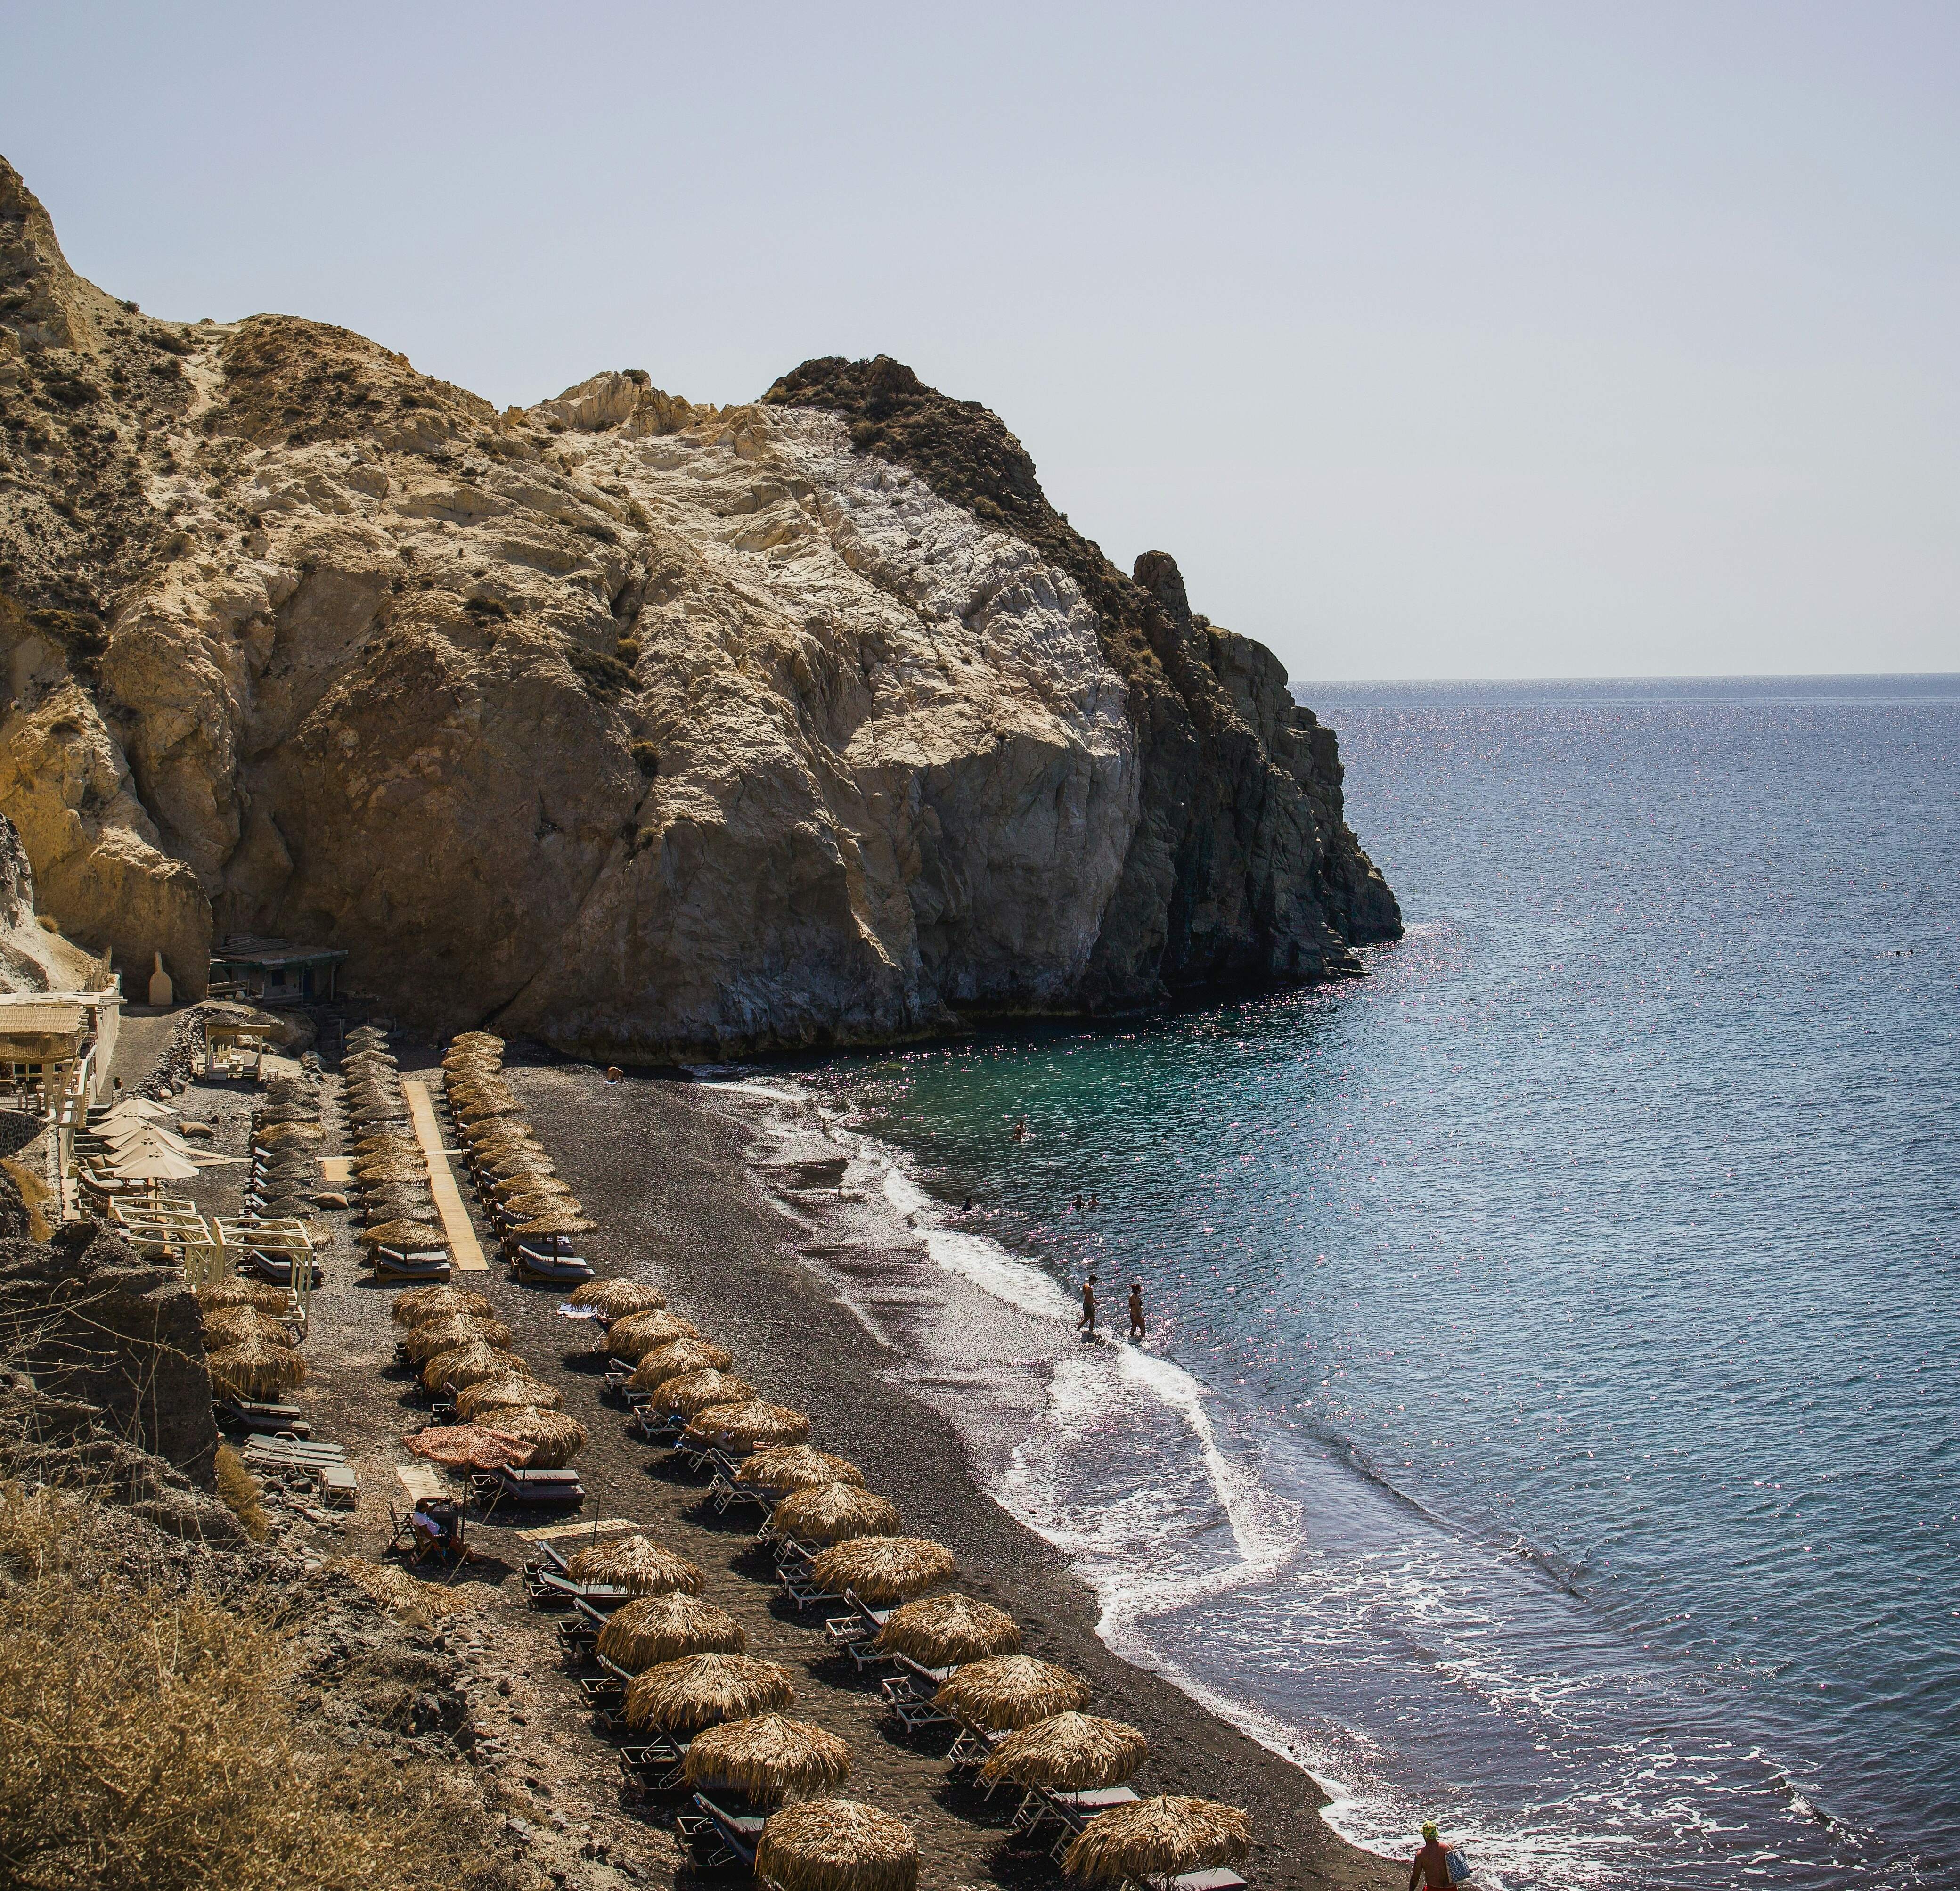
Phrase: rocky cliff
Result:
[647,727]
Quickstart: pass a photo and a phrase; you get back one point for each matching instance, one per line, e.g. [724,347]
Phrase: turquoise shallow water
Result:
[1549,1417]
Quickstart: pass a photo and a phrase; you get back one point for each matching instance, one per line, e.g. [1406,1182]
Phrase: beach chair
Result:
[656,1766]
[551,1589]
[801,1586]
[909,1698]
[248,1414]
[726,1490]
[414,1264]
[972,1746]
[338,1489]
[656,1428]
[720,1838]
[506,1484]
[853,1633]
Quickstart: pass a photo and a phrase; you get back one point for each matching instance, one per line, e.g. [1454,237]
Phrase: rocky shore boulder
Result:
[648,728]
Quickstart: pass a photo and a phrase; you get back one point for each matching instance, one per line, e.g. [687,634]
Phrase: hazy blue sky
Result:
[1434,340]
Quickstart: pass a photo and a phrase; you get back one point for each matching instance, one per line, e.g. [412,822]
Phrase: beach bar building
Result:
[56,1047]
[274,972]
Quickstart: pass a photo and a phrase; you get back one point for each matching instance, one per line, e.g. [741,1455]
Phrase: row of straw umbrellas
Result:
[251,1345]
[518,1186]
[693,1678]
[388,1170]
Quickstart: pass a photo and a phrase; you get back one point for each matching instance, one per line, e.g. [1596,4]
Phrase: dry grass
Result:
[404,1597]
[36,1193]
[239,1491]
[150,1746]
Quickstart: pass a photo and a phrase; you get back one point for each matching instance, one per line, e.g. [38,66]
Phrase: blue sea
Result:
[1547,1423]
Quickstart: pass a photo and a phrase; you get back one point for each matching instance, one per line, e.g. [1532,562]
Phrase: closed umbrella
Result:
[474,1447]
[1010,1691]
[704,1690]
[942,1631]
[1068,1753]
[636,1563]
[833,1513]
[746,1426]
[657,1628]
[767,1758]
[795,1467]
[1156,1839]
[837,1845]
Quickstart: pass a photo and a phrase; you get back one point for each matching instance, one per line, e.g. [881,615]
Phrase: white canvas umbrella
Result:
[151,1139]
[154,1165]
[137,1109]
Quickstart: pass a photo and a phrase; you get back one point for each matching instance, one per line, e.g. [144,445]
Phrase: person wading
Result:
[1429,1868]
[1138,1324]
[1088,1320]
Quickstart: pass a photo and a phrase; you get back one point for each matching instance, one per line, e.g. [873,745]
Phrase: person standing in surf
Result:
[1139,1326]
[1088,1319]
[1429,1868]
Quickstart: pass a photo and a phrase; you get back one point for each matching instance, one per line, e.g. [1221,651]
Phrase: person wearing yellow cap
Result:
[1429,1868]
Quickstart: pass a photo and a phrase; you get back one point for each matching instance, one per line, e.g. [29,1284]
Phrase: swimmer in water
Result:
[1139,1326]
[1021,1129]
[1078,1204]
[967,1207]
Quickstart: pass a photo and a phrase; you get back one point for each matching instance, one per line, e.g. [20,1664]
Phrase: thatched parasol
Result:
[834,1514]
[686,1352]
[286,1112]
[507,1164]
[881,1570]
[487,1040]
[280,1134]
[1161,1837]
[262,1295]
[433,1336]
[381,1171]
[525,1178]
[704,1690]
[747,1426]
[510,1392]
[695,1392]
[767,1758]
[614,1299]
[421,1303]
[1068,1753]
[638,1334]
[403,1234]
[478,1447]
[657,1628]
[487,1108]
[470,1365]
[941,1631]
[558,1222]
[253,1368]
[637,1563]
[836,1844]
[234,1325]
[555,1439]
[784,1467]
[1009,1691]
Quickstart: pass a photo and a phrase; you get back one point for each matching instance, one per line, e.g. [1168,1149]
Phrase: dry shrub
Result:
[239,1491]
[149,1744]
[405,1597]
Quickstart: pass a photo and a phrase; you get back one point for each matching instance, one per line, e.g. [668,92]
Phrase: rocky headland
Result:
[642,727]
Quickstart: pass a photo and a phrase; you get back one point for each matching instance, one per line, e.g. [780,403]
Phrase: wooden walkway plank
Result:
[466,1252]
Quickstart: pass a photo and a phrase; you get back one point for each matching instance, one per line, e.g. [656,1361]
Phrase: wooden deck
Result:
[466,1251]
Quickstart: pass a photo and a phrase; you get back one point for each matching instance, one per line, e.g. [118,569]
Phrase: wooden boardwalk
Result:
[465,1250]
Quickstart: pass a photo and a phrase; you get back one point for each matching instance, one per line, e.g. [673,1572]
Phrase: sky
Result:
[1433,340]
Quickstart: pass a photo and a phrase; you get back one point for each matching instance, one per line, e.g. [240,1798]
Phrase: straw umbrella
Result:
[837,1845]
[555,1439]
[280,1134]
[234,1325]
[704,1690]
[746,1426]
[508,1163]
[253,1368]
[1161,1837]
[1068,1753]
[486,1040]
[512,1392]
[657,1628]
[942,1631]
[637,1563]
[636,1335]
[433,1336]
[1009,1691]
[614,1299]
[403,1234]
[527,1177]
[833,1513]
[784,1467]
[684,1353]
[694,1392]
[421,1303]
[558,1222]
[477,1448]
[469,1366]
[883,1569]
[267,1298]
[767,1758]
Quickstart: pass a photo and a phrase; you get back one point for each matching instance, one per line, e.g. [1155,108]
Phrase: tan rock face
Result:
[648,728]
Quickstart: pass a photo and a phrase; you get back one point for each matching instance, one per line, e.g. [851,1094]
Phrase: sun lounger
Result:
[659,1766]
[656,1428]
[972,1748]
[854,1632]
[548,1589]
[720,1838]
[391,1264]
[801,1586]
[1220,1879]
[534,1264]
[278,1268]
[246,1415]
[727,1492]
[338,1489]
[507,1485]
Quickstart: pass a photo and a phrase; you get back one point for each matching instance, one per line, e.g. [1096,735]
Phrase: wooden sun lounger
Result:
[720,1838]
[548,1588]
[251,1416]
